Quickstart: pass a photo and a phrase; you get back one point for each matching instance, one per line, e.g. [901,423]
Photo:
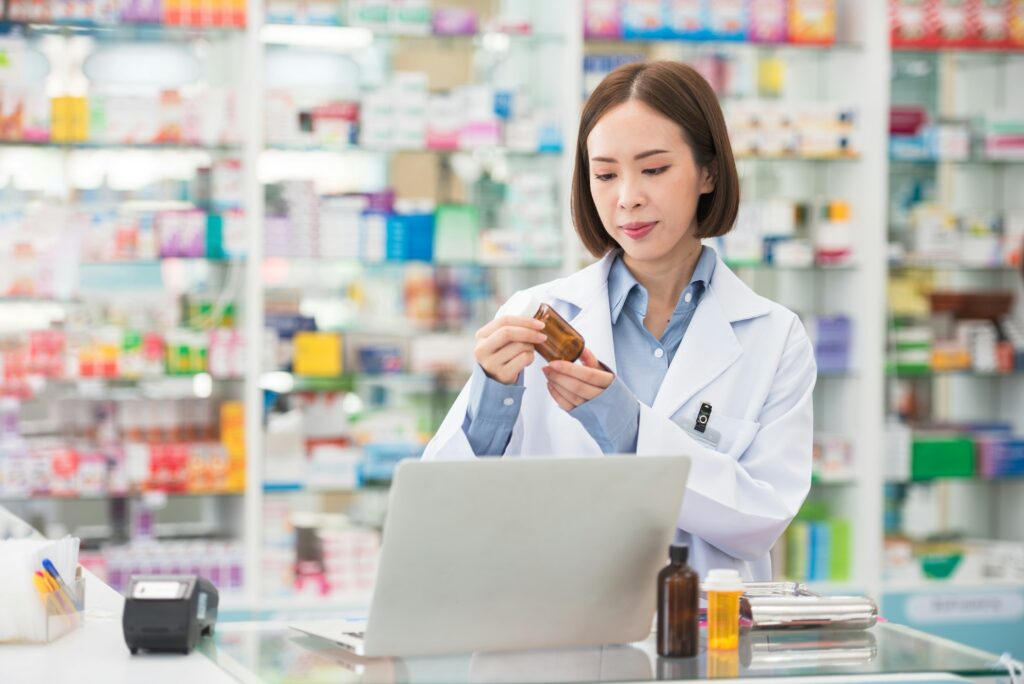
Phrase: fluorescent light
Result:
[339,38]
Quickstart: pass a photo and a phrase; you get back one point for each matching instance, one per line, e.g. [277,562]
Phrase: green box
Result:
[942,456]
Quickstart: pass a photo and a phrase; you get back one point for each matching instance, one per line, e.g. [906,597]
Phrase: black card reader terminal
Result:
[168,613]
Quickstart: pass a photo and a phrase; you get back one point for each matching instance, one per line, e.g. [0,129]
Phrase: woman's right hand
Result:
[505,346]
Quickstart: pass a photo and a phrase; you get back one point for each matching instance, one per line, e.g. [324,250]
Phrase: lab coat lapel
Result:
[707,349]
[710,345]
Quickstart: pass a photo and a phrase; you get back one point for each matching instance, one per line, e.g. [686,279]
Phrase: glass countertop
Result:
[271,652]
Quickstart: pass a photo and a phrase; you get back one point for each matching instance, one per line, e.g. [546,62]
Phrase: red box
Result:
[958,23]
[992,21]
[913,23]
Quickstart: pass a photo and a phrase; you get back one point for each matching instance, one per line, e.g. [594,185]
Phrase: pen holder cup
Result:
[64,612]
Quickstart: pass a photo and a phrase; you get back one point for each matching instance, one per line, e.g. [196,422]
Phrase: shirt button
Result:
[658,353]
[687,297]
[508,401]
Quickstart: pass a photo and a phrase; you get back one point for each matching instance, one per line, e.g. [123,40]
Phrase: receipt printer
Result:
[168,613]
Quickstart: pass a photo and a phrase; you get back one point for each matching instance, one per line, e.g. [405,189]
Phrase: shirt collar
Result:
[621,283]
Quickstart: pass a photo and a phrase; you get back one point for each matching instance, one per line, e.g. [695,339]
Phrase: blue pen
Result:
[49,567]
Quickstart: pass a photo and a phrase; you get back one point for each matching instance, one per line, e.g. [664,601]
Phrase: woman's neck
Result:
[666,279]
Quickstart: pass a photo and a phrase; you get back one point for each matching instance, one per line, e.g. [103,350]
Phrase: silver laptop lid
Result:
[503,554]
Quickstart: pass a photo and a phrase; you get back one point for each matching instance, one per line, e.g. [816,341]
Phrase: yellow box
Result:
[1017,23]
[812,21]
[60,119]
[317,354]
[79,111]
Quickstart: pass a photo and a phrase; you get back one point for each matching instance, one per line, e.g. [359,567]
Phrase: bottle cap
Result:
[723,579]
[678,553]
[522,303]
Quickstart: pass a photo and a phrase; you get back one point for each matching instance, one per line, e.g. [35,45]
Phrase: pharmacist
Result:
[679,334]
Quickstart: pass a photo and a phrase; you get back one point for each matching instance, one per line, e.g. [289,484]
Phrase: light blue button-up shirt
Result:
[613,417]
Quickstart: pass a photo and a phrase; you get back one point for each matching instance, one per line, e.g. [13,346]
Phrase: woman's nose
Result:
[630,196]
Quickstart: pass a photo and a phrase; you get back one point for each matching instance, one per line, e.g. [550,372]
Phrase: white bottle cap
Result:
[522,303]
[723,579]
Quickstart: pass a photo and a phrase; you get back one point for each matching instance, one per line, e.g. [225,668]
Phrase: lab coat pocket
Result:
[723,433]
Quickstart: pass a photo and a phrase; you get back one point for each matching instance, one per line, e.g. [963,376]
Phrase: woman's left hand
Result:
[571,384]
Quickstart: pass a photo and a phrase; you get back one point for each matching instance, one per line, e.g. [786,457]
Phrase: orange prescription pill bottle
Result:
[723,587]
[563,343]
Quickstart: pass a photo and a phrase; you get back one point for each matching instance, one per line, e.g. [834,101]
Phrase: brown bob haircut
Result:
[678,92]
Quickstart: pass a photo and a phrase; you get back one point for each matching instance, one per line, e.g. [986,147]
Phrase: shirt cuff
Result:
[612,418]
[491,413]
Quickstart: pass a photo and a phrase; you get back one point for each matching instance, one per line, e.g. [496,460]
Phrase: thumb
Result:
[588,359]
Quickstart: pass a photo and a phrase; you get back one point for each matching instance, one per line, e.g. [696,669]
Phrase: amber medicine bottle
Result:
[678,593]
[563,343]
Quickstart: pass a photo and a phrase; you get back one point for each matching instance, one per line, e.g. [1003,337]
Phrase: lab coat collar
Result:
[708,348]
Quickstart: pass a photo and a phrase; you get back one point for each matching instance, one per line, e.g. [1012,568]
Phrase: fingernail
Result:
[539,325]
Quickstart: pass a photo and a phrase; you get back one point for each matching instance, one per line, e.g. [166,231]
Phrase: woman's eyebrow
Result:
[642,155]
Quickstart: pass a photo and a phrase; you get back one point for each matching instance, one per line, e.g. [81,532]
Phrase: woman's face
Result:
[645,184]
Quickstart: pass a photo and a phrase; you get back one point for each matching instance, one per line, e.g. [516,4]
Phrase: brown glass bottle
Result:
[678,592]
[563,343]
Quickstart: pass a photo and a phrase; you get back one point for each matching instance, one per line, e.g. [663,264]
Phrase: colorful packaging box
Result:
[726,19]
[992,21]
[602,19]
[956,27]
[812,21]
[767,21]
[1017,24]
[685,19]
[646,20]
[317,354]
[913,23]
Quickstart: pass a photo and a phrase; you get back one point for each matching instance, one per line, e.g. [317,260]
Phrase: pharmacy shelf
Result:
[121,31]
[939,585]
[792,268]
[973,479]
[298,34]
[966,373]
[156,263]
[617,45]
[326,490]
[348,383]
[123,146]
[103,496]
[847,480]
[345,148]
[334,262]
[947,266]
[999,53]
[813,158]
[969,161]
[838,375]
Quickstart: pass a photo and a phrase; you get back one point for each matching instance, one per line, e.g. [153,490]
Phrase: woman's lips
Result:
[636,231]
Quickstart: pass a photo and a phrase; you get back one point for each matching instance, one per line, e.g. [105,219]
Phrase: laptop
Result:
[518,553]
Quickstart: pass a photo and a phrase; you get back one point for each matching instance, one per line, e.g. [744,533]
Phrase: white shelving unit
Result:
[959,86]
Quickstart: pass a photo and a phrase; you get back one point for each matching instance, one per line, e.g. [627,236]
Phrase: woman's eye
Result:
[655,172]
[604,176]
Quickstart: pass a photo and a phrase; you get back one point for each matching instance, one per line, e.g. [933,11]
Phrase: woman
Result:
[676,331]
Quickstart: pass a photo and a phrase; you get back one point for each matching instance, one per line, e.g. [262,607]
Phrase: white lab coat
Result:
[747,356]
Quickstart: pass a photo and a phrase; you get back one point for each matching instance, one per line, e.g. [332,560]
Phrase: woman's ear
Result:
[707,181]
